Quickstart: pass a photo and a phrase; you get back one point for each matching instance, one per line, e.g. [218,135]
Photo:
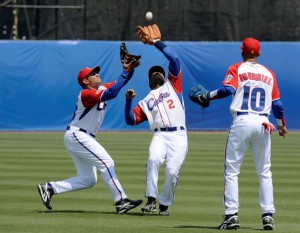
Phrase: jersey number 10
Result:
[257,99]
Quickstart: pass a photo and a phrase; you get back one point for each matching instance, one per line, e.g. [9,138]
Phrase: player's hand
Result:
[130,94]
[129,66]
[282,130]
[269,128]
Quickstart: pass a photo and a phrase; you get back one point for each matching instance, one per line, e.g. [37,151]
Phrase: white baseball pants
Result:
[169,147]
[248,130]
[88,156]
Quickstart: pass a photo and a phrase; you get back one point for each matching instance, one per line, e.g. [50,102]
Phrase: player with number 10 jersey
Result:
[255,85]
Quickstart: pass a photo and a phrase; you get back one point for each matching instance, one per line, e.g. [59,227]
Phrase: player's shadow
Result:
[72,212]
[206,227]
[90,212]
[144,214]
[194,227]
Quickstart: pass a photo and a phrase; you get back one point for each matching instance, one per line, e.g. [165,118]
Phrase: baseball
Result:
[148,16]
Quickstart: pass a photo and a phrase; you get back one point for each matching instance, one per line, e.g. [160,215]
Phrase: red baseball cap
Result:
[85,72]
[251,46]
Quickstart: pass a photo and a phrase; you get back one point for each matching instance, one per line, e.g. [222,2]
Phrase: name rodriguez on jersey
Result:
[256,77]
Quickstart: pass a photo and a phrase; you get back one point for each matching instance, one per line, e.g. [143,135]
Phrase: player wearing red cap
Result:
[87,154]
[255,93]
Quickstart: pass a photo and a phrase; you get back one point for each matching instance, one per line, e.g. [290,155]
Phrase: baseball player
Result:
[87,154]
[255,93]
[163,107]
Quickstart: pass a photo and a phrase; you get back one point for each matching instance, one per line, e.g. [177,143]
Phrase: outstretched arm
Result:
[114,90]
[174,65]
[222,92]
[126,75]
[199,95]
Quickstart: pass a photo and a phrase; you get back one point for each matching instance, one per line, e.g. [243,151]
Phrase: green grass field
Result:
[29,158]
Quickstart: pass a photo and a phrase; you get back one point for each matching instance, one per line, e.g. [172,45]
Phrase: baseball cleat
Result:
[46,193]
[268,223]
[150,206]
[231,222]
[123,206]
[164,210]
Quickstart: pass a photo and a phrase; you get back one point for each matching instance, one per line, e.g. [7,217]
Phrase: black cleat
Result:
[123,206]
[164,210]
[231,222]
[268,223]
[46,193]
[150,206]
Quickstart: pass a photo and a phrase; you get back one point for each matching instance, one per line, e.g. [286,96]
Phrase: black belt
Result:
[246,113]
[169,129]
[83,130]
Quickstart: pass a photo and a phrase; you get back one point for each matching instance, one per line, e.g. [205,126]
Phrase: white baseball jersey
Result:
[86,117]
[255,85]
[164,107]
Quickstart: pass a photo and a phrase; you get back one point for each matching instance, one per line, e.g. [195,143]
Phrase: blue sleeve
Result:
[129,115]
[277,109]
[225,91]
[114,90]
[174,65]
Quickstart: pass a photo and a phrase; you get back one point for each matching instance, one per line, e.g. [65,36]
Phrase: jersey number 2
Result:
[171,103]
[257,99]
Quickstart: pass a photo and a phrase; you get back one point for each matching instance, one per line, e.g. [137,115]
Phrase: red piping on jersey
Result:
[159,110]
[166,113]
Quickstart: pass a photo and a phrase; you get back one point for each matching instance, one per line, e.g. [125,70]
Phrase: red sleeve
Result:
[176,82]
[90,97]
[231,77]
[139,115]
[275,91]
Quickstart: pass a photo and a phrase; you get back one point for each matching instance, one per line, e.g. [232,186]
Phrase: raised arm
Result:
[126,75]
[174,65]
[151,35]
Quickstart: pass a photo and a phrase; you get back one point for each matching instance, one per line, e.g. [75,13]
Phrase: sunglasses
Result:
[91,74]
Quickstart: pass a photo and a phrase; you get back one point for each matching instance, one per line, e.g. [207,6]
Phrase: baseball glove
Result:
[125,56]
[149,34]
[199,95]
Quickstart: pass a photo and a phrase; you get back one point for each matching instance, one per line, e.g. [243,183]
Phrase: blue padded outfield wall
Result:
[39,85]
